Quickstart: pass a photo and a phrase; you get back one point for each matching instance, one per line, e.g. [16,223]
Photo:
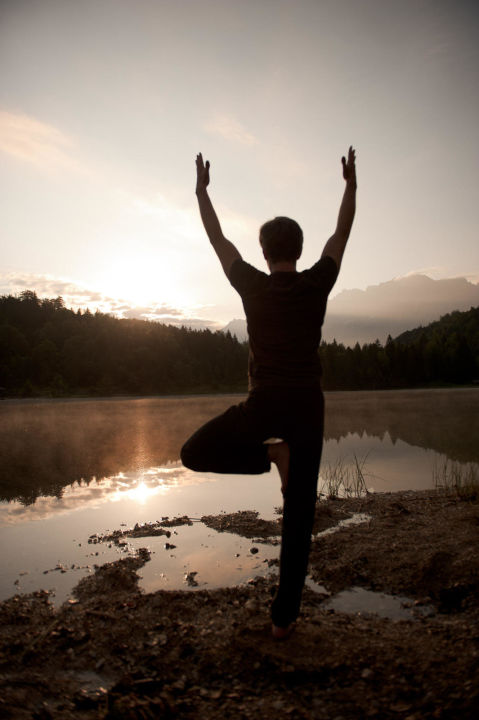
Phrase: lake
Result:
[71,469]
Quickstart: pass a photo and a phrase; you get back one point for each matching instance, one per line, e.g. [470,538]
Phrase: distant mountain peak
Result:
[237,327]
[388,308]
[395,306]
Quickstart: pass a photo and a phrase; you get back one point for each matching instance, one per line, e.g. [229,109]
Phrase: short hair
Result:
[281,239]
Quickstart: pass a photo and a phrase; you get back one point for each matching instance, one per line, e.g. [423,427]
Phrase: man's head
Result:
[281,240]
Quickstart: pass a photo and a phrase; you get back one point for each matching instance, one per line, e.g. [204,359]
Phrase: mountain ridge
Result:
[389,308]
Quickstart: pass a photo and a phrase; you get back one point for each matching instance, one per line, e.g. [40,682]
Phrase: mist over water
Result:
[72,468]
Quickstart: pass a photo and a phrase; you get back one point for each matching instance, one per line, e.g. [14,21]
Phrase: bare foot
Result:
[278,453]
[281,633]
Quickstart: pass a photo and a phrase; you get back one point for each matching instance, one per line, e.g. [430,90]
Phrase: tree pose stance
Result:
[284,311]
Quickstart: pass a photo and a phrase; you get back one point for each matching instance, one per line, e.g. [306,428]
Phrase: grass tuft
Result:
[343,480]
[454,478]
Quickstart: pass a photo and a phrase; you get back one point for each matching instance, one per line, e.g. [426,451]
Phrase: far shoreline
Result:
[233,393]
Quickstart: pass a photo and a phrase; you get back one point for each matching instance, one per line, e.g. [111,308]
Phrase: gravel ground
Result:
[115,652]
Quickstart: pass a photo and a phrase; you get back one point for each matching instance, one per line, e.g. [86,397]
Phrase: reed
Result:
[454,478]
[343,479]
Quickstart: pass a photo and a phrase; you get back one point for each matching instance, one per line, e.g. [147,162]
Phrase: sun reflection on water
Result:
[135,486]
[141,493]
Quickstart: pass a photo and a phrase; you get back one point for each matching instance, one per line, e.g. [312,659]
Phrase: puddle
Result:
[355,519]
[190,557]
[93,687]
[195,556]
[358,601]
[203,558]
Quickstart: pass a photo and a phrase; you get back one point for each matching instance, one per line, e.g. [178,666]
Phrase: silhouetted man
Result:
[284,312]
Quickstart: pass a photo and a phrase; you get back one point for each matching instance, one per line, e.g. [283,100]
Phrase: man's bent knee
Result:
[187,457]
[190,458]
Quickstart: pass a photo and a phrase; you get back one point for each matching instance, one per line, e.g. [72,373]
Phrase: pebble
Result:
[251,606]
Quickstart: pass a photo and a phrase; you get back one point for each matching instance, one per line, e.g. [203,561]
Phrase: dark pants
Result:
[233,443]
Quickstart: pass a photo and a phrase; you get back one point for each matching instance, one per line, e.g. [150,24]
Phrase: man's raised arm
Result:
[226,251]
[336,244]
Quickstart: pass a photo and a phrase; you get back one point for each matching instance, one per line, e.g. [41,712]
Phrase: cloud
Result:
[165,217]
[32,141]
[436,272]
[48,286]
[231,129]
[152,312]
[472,278]
[200,324]
[78,297]
[439,272]
[170,316]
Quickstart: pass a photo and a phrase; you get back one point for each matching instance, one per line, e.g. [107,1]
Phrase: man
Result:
[284,312]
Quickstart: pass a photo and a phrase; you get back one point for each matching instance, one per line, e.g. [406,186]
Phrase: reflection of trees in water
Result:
[46,446]
[446,421]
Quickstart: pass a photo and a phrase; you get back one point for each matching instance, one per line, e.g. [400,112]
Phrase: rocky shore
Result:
[116,653]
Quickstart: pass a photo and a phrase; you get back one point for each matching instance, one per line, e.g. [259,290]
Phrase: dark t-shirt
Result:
[284,314]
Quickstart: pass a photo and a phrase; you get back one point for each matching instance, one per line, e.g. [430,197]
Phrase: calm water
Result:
[70,469]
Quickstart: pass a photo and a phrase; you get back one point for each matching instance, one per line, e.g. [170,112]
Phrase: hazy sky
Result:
[105,103]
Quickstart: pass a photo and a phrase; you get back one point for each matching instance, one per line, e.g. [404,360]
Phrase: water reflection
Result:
[138,487]
[75,467]
[46,446]
[49,446]
[446,421]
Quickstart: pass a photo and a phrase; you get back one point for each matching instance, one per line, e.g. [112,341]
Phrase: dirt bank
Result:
[114,652]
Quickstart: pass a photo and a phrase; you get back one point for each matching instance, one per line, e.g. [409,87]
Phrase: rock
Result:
[254,550]
[190,578]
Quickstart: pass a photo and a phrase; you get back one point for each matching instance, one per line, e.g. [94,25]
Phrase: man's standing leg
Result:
[298,515]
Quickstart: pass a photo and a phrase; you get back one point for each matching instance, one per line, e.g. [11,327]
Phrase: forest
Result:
[49,350]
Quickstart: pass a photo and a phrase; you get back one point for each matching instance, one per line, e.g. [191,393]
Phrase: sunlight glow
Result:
[141,493]
[143,281]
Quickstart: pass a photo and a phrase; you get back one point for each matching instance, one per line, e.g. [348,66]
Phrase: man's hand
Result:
[349,167]
[226,251]
[336,244]
[202,173]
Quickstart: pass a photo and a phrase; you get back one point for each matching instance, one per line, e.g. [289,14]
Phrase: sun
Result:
[142,282]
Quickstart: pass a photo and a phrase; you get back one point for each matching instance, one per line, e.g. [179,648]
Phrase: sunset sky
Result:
[105,103]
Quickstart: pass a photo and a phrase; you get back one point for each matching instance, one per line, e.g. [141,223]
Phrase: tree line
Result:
[47,349]
[446,352]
